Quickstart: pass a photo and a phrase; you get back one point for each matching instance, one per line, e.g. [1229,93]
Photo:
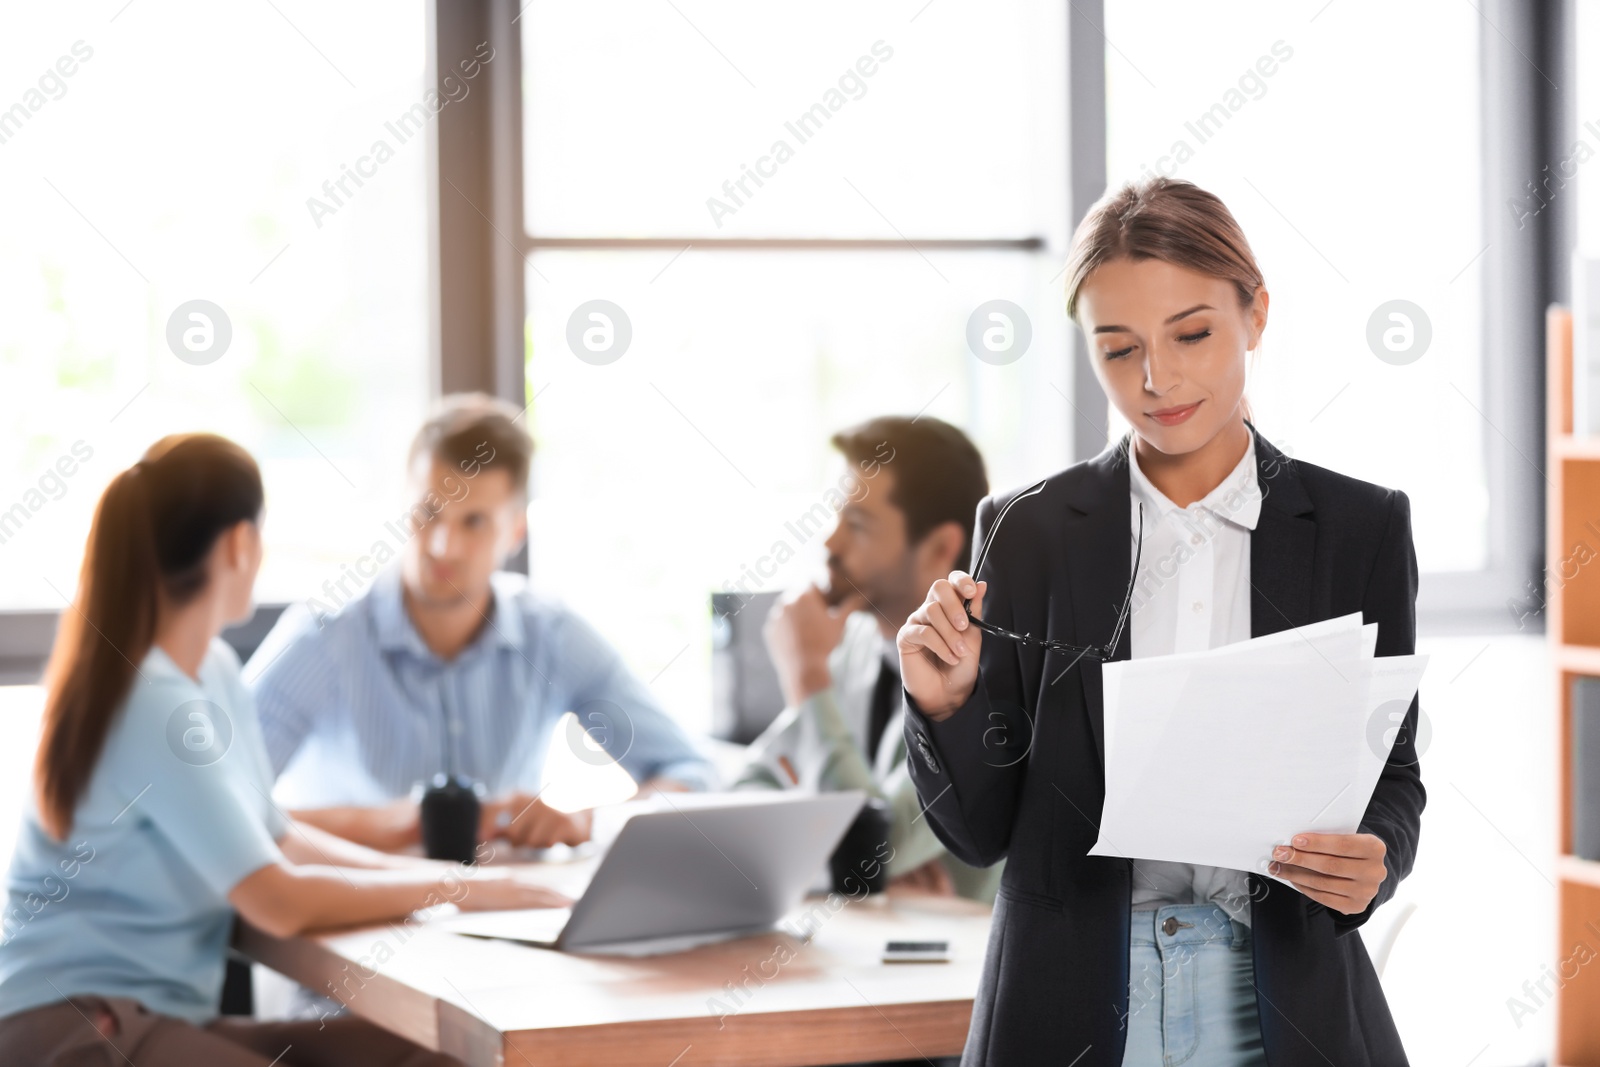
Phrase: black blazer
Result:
[1018,771]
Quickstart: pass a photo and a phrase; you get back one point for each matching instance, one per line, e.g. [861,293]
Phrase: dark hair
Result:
[478,430]
[153,531]
[938,473]
[1168,219]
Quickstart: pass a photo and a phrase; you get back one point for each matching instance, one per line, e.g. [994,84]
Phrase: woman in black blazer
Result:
[1006,736]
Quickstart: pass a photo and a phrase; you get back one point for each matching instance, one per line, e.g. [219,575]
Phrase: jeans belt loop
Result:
[1239,933]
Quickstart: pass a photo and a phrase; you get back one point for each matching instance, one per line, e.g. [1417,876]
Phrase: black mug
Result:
[450,812]
[860,865]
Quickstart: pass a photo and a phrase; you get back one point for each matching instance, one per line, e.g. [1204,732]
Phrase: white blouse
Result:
[1193,593]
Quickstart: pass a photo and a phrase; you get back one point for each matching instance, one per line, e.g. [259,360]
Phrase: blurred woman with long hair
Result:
[151,822]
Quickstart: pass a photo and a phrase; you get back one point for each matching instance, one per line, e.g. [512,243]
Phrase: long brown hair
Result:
[1171,220]
[153,531]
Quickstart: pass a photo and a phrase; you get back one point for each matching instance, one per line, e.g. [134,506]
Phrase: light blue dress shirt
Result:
[356,708]
[133,903]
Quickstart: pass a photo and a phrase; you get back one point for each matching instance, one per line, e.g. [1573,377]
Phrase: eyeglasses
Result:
[1104,652]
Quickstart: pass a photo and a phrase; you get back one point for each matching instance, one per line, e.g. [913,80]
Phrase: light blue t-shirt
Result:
[134,902]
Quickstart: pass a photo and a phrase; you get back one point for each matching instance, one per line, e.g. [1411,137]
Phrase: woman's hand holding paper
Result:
[1340,871]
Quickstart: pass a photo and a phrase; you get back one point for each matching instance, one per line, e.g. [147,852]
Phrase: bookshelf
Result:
[1573,629]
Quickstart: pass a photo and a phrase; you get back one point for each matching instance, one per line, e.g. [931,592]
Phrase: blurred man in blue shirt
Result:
[446,664]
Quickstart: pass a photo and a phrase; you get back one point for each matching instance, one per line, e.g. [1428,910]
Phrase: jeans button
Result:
[1170,927]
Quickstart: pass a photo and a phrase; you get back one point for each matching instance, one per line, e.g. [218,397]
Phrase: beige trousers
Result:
[116,1031]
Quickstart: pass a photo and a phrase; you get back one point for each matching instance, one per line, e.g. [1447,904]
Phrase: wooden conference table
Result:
[767,1000]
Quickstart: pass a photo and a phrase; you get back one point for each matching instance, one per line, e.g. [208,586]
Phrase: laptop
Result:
[700,868]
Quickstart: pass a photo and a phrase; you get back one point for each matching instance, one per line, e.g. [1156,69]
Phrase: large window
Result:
[267,160]
[797,211]
[1361,197]
[802,215]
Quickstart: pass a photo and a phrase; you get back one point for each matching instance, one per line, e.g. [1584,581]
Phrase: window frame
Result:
[1526,51]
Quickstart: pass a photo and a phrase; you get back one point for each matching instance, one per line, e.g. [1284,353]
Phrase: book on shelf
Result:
[1586,768]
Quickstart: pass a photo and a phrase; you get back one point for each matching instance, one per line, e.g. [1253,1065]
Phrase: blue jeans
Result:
[1191,997]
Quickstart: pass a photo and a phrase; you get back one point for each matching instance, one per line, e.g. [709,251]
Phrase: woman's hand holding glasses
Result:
[939,646]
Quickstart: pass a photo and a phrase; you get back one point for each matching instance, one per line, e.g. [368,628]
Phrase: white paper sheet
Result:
[1393,684]
[1215,757]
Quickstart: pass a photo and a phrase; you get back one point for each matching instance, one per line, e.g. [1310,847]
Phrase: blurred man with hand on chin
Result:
[911,490]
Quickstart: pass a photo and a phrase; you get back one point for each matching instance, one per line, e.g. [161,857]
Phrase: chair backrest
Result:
[745,694]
